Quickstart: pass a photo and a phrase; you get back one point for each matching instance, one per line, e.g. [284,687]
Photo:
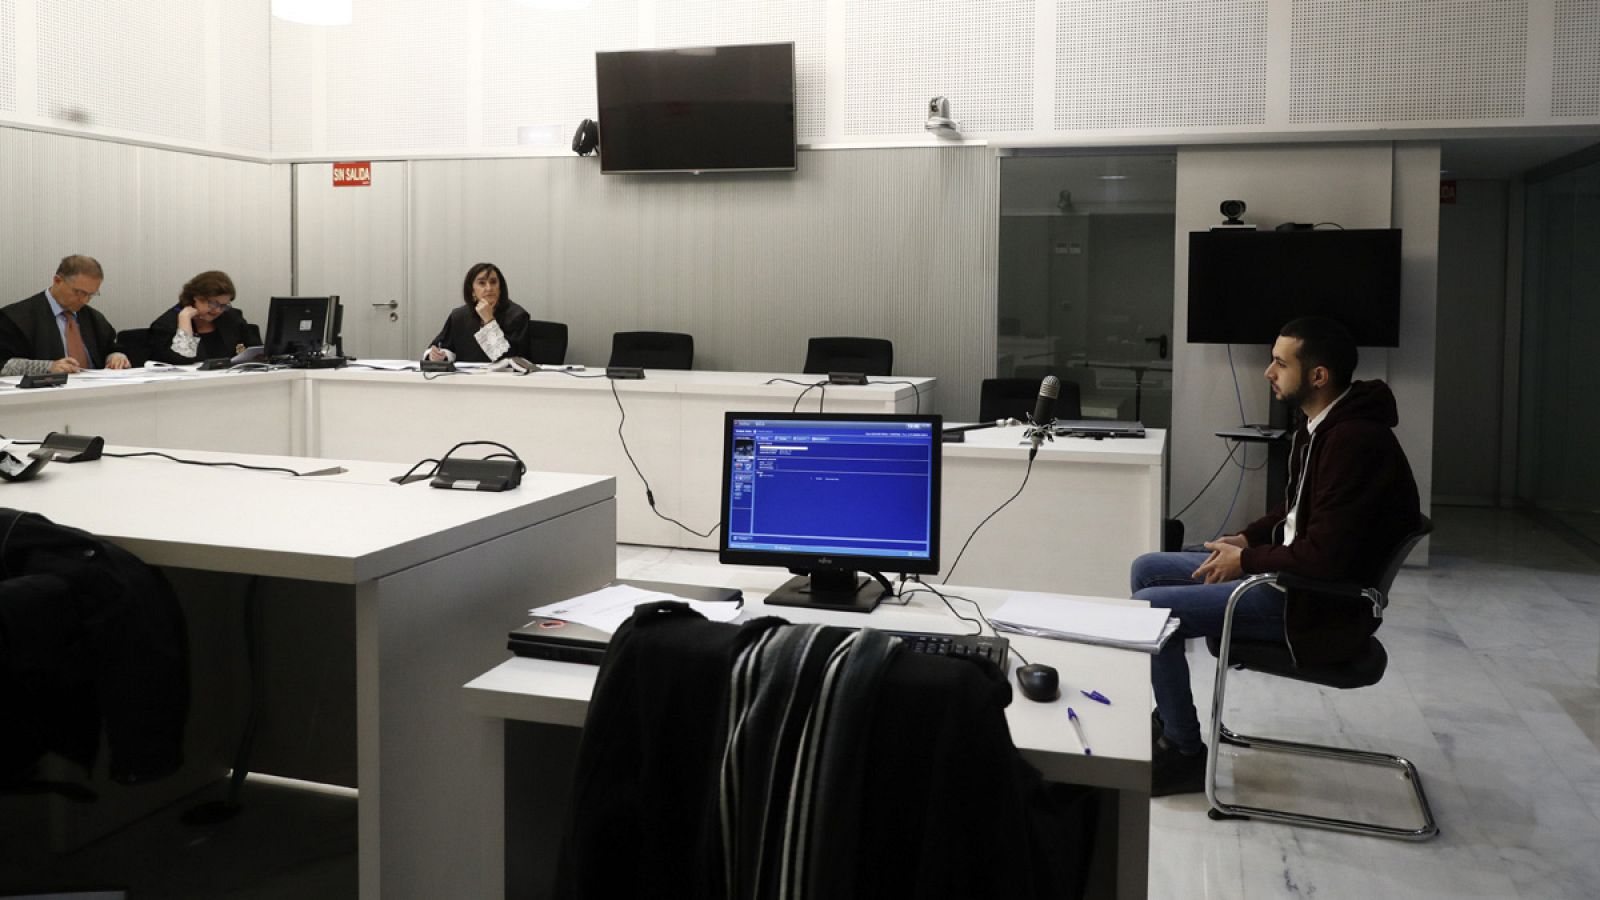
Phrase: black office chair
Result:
[1365,667]
[547,342]
[135,343]
[1014,398]
[868,356]
[652,350]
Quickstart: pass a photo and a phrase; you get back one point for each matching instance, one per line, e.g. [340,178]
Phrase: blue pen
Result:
[1097,697]
[1078,727]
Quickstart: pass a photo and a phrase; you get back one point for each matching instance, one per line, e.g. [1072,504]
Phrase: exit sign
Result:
[352,174]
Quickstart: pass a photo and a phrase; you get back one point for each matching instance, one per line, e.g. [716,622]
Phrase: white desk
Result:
[555,696]
[1089,509]
[377,601]
[556,422]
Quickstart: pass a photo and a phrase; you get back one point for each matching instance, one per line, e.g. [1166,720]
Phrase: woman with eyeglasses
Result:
[204,325]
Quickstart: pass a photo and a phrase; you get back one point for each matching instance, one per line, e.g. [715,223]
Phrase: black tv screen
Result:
[697,109]
[1245,285]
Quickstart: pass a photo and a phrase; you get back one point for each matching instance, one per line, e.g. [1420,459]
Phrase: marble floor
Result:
[1493,690]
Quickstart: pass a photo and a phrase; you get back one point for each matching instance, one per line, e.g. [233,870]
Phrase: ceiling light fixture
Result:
[315,12]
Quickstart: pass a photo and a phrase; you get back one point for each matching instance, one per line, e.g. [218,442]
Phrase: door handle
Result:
[392,304]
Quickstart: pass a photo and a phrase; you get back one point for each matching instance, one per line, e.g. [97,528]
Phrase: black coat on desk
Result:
[28,330]
[929,798]
[231,333]
[461,327]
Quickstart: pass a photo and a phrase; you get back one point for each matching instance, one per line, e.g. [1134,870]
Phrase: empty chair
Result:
[547,342]
[869,356]
[652,350]
[135,343]
[1014,398]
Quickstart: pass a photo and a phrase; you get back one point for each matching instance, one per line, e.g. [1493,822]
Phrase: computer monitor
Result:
[830,495]
[302,325]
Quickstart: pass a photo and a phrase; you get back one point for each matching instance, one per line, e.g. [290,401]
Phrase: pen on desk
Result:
[1077,725]
[1097,697]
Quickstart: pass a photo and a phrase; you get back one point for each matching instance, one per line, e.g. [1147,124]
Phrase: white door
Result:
[352,241]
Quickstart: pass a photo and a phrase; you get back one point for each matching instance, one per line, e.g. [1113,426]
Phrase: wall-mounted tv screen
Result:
[697,109]
[1245,285]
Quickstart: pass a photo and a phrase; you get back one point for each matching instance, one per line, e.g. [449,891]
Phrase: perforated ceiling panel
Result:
[1575,87]
[1135,64]
[398,77]
[245,34]
[703,22]
[900,53]
[1370,61]
[8,56]
[292,60]
[541,70]
[133,66]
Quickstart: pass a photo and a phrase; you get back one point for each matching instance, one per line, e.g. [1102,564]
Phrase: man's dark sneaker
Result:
[1172,772]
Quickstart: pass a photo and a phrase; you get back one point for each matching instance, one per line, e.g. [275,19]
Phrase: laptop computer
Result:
[1098,428]
[563,641]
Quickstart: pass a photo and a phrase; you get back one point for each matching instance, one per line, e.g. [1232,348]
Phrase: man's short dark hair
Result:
[1326,343]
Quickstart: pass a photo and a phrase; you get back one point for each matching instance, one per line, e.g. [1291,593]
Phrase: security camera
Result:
[1233,209]
[939,121]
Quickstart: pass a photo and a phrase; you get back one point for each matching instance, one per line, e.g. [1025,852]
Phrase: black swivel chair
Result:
[868,356]
[652,350]
[1014,398]
[547,343]
[135,343]
[1274,658]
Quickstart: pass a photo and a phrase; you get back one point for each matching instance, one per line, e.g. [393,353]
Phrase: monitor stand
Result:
[834,589]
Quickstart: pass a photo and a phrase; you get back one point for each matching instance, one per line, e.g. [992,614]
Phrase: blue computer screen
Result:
[832,487]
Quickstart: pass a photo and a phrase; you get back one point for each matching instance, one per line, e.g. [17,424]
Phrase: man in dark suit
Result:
[55,330]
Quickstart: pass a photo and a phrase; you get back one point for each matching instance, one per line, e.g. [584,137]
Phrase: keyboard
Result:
[994,649]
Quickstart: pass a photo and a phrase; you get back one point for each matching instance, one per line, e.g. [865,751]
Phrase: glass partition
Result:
[1559,430]
[1086,278]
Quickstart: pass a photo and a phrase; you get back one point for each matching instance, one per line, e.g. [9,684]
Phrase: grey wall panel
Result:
[889,243]
[154,218]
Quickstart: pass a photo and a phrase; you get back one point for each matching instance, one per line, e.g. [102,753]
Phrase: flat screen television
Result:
[1245,285]
[697,109]
[828,495]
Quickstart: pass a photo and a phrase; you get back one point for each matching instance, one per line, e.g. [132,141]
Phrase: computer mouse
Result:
[1039,682]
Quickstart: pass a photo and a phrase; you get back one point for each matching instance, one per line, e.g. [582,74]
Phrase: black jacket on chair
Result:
[914,788]
[91,639]
[28,330]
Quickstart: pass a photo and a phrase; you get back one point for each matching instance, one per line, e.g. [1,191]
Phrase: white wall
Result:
[413,77]
[899,244]
[154,218]
[1376,185]
[192,74]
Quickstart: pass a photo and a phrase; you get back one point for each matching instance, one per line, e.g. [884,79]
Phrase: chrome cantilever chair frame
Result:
[1220,734]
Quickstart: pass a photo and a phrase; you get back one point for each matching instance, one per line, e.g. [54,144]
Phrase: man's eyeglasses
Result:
[82,294]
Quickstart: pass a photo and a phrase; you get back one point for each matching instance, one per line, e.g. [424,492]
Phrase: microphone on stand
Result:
[1044,413]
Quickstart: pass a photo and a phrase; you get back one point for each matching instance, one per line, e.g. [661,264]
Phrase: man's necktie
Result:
[75,346]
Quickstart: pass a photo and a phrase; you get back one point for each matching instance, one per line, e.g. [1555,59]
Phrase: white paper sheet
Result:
[607,608]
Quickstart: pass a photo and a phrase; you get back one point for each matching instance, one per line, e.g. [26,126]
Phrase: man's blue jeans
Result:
[1166,580]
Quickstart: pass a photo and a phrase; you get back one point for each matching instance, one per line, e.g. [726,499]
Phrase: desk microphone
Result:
[1044,412]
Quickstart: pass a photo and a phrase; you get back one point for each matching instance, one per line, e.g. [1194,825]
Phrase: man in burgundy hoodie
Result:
[1349,503]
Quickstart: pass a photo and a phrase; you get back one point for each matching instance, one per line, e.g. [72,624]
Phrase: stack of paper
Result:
[1106,624]
[607,608]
